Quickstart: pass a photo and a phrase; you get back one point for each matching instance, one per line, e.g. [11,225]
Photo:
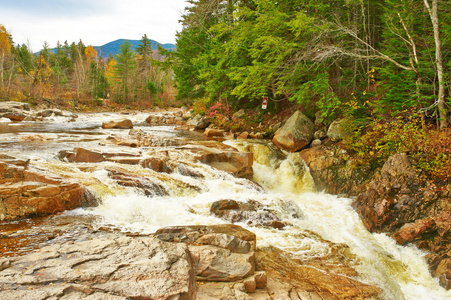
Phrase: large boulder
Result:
[380,205]
[26,192]
[296,133]
[325,277]
[224,158]
[251,212]
[333,172]
[101,266]
[219,253]
[237,238]
[14,115]
[214,263]
[337,130]
[198,123]
[120,124]
[81,155]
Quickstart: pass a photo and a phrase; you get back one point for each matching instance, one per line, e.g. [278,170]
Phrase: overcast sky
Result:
[95,22]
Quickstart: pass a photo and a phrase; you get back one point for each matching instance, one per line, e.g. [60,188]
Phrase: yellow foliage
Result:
[111,68]
[5,41]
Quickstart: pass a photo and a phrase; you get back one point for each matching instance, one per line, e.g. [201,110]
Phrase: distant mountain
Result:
[113,47]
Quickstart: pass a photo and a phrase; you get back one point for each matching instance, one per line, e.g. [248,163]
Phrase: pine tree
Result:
[144,51]
[125,68]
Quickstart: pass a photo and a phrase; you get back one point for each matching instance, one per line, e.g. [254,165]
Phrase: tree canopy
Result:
[357,58]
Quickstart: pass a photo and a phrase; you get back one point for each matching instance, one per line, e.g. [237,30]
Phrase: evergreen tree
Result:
[144,51]
[24,58]
[125,68]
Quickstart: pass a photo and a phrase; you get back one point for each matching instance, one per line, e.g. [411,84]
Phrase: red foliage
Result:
[219,110]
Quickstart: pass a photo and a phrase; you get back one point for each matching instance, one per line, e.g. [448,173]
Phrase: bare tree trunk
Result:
[2,62]
[413,61]
[439,62]
[10,76]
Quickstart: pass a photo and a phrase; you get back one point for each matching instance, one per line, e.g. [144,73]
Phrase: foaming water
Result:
[401,271]
[314,220]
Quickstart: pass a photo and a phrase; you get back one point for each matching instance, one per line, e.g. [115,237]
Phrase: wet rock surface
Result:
[14,111]
[394,199]
[212,153]
[250,212]
[224,158]
[119,124]
[333,173]
[149,187]
[398,201]
[27,192]
[181,262]
[323,278]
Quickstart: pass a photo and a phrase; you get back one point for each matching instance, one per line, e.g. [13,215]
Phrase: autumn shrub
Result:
[408,133]
[201,106]
[219,114]
[17,96]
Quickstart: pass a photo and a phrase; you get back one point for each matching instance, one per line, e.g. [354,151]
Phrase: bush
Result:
[219,114]
[201,106]
[406,133]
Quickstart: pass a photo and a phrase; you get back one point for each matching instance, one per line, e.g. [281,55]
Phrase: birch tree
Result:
[433,12]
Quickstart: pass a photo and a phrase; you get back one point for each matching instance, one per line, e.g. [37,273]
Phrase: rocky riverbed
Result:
[189,262]
[170,214]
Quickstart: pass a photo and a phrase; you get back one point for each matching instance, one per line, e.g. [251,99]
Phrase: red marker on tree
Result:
[265,102]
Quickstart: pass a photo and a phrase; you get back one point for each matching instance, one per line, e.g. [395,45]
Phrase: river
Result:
[284,185]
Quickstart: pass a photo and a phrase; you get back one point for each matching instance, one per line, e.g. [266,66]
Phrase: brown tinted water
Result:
[21,237]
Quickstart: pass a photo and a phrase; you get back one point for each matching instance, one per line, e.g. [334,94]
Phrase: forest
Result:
[77,75]
[355,58]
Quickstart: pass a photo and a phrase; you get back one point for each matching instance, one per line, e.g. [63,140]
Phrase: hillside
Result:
[113,47]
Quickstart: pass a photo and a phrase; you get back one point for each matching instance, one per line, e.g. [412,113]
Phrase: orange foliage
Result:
[90,53]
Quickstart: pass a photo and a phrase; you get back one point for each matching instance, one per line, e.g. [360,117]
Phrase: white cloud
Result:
[94,22]
[51,8]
